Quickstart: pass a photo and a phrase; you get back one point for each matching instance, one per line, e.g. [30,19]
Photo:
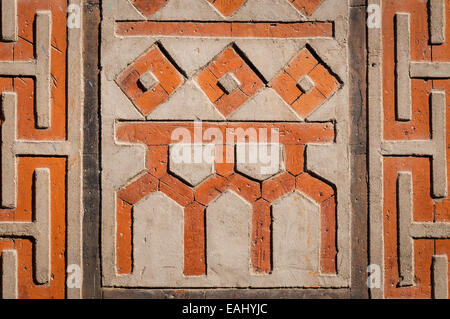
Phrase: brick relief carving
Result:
[409,75]
[211,74]
[40,149]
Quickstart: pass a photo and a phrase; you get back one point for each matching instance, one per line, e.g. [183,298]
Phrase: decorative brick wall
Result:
[224,148]
[409,142]
[41,134]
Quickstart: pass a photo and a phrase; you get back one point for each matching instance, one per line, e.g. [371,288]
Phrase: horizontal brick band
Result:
[225,29]
[289,133]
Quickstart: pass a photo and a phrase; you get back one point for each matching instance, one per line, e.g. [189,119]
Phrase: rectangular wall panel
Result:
[41,141]
[242,75]
[409,96]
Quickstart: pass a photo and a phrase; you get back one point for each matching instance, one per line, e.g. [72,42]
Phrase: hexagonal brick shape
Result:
[193,163]
[259,161]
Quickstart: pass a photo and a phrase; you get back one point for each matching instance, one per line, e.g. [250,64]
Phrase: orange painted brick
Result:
[137,190]
[244,187]
[124,240]
[324,81]
[313,187]
[308,102]
[176,190]
[261,237]
[301,65]
[294,161]
[148,8]
[228,61]
[229,103]
[157,157]
[250,82]
[278,186]
[194,240]
[286,87]
[208,83]
[210,190]
[227,7]
[306,6]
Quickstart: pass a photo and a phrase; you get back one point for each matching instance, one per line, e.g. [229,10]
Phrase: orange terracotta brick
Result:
[286,87]
[313,187]
[278,186]
[176,190]
[294,30]
[208,83]
[157,157]
[308,102]
[124,240]
[137,190]
[244,187]
[306,6]
[282,30]
[227,7]
[294,159]
[324,81]
[229,103]
[423,211]
[222,166]
[301,65]
[261,237]
[328,249]
[419,127]
[27,287]
[228,61]
[194,240]
[250,82]
[210,190]
[167,76]
[150,100]
[148,7]
[24,50]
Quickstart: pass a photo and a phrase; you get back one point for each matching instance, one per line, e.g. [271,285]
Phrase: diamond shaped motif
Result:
[148,7]
[306,6]
[305,83]
[150,80]
[227,7]
[219,78]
